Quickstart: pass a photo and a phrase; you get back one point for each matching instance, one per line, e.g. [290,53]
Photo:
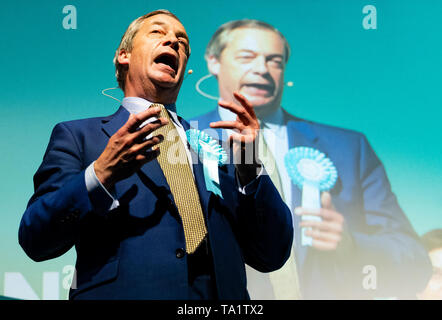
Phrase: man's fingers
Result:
[227,125]
[326,214]
[324,245]
[325,226]
[147,144]
[135,120]
[149,128]
[144,157]
[245,103]
[317,234]
[326,200]
[146,151]
[242,112]
[247,135]
[307,212]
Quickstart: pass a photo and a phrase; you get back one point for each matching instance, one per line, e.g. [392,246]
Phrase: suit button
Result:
[180,253]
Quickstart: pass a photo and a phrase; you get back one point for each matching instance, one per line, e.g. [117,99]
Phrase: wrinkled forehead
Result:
[255,39]
[167,22]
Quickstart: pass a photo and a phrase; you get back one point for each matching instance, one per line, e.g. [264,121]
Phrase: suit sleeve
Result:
[49,226]
[265,227]
[388,241]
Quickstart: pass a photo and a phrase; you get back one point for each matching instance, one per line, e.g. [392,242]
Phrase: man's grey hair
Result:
[126,43]
[220,38]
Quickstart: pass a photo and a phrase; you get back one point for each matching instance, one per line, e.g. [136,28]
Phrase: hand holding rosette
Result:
[313,172]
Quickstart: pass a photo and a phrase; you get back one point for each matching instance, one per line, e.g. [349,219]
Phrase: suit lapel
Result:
[114,122]
[151,170]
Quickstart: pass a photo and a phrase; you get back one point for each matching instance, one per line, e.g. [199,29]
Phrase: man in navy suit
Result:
[364,246]
[102,188]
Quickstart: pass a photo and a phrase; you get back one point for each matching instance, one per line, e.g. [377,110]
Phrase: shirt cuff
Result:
[102,200]
[251,187]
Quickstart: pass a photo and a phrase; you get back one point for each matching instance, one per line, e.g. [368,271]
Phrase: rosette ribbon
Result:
[211,154]
[312,172]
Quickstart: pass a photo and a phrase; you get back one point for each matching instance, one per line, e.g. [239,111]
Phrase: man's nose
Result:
[260,65]
[171,40]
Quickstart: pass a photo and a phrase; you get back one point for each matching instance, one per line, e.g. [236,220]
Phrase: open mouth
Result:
[259,88]
[169,60]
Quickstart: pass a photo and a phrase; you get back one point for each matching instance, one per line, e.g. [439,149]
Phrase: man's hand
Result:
[127,150]
[327,233]
[245,138]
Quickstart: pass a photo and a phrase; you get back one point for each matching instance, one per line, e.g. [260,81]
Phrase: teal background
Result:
[384,83]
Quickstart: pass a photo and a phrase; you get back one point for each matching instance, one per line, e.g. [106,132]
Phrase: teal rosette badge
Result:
[211,154]
[312,172]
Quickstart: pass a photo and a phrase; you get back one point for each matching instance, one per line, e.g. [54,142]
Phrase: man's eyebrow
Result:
[182,34]
[247,50]
[271,55]
[275,55]
[179,33]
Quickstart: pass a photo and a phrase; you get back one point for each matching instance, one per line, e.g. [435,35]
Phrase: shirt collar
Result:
[136,105]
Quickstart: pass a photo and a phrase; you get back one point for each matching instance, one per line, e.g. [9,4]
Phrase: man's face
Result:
[253,63]
[159,55]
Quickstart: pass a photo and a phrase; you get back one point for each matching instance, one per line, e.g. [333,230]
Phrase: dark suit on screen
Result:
[377,232]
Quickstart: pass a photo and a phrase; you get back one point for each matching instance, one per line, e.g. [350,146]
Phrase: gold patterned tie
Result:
[284,281]
[176,168]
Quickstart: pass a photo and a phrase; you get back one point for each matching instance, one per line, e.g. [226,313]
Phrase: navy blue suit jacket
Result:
[377,232]
[130,252]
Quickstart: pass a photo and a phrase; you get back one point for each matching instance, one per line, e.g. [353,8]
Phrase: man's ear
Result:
[124,57]
[213,65]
